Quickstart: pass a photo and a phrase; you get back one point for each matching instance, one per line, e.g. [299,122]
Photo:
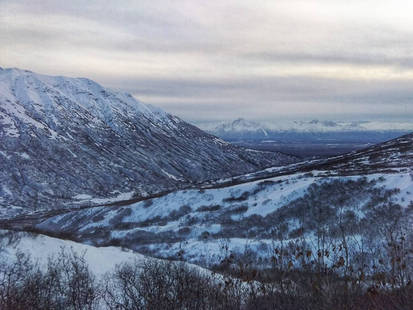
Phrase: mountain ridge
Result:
[302,126]
[67,141]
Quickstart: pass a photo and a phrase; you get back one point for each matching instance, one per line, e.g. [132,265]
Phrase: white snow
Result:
[170,175]
[82,198]
[25,155]
[23,91]
[101,260]
[243,125]
[278,193]
[40,248]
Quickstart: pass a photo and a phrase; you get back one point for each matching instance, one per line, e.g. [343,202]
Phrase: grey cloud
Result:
[225,42]
[277,88]
[272,97]
[355,59]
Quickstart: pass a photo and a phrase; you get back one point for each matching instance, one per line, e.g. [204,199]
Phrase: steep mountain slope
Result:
[69,140]
[353,197]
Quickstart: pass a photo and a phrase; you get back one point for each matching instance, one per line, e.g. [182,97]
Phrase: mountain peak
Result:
[36,93]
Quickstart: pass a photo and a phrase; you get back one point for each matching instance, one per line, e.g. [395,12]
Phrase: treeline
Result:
[297,279]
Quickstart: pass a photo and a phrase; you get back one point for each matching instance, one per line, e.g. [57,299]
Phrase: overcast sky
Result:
[219,59]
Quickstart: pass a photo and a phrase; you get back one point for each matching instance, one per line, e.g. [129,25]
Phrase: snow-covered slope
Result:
[198,222]
[66,141]
[366,189]
[40,248]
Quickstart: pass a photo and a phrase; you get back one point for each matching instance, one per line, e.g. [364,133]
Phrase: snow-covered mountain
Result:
[67,141]
[314,130]
[241,125]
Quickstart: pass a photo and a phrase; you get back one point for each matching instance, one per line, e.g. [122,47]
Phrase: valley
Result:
[206,155]
[126,187]
[247,211]
[307,139]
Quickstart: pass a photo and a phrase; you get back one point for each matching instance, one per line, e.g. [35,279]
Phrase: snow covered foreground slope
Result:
[356,195]
[198,224]
[68,141]
[40,248]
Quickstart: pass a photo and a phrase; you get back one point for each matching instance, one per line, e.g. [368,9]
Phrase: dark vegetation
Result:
[209,208]
[65,283]
[334,208]
[331,274]
[350,247]
[353,209]
[244,196]
[297,278]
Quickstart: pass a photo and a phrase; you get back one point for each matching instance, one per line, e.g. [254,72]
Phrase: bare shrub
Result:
[66,283]
[209,208]
[167,285]
[242,197]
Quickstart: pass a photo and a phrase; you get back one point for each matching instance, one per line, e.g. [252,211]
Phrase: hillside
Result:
[70,141]
[359,193]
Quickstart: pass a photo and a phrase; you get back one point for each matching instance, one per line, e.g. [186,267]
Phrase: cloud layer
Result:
[224,59]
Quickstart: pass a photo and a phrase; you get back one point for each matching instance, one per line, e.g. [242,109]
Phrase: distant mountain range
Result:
[69,141]
[314,130]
